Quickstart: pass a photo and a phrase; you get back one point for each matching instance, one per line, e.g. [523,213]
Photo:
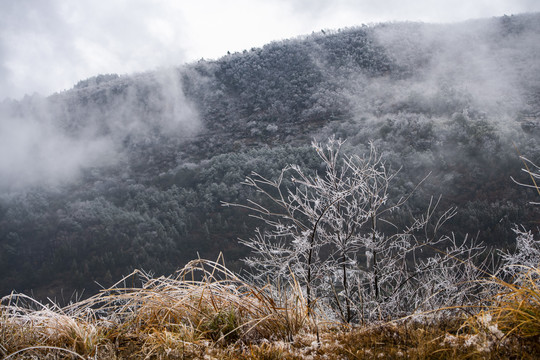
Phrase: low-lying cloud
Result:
[478,64]
[47,141]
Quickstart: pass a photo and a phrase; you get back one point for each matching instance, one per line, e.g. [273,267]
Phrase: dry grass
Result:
[204,303]
[205,311]
[517,306]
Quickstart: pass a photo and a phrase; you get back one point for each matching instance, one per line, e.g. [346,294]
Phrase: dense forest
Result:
[125,172]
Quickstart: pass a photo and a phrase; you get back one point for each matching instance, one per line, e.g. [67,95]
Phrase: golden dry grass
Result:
[205,311]
[203,303]
[515,306]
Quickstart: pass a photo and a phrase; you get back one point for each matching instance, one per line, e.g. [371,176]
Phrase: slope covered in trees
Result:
[126,172]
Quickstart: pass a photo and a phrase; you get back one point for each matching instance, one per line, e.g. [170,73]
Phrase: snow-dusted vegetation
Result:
[409,239]
[333,232]
[125,172]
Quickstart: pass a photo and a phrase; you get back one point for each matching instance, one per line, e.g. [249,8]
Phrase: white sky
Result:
[49,45]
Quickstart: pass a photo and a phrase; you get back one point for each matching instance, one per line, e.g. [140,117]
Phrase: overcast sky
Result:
[48,45]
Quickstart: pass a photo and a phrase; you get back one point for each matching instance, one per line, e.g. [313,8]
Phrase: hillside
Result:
[126,172]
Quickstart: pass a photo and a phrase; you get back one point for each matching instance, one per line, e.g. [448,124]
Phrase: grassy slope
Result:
[205,311]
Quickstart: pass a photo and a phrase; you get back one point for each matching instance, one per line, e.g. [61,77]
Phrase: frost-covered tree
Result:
[526,255]
[533,171]
[332,232]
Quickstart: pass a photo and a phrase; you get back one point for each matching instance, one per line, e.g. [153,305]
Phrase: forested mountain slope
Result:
[126,172]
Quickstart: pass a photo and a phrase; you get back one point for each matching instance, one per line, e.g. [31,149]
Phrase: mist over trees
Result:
[126,172]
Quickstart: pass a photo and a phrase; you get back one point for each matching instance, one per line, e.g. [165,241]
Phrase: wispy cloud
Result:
[48,45]
[47,142]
